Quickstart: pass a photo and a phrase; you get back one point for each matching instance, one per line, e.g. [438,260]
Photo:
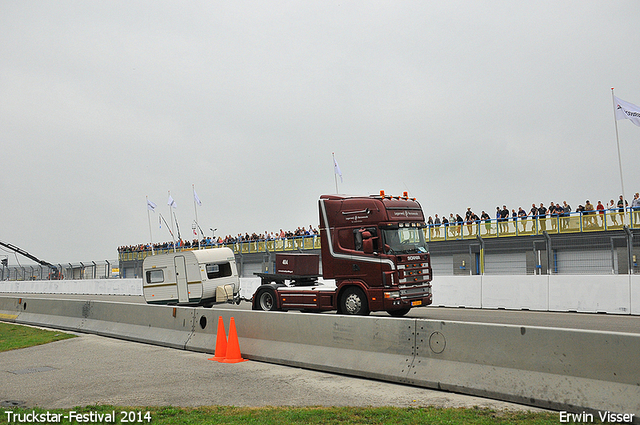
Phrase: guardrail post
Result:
[629,248]
[481,253]
[549,253]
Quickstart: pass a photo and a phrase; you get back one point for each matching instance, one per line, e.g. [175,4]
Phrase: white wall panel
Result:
[590,294]
[515,292]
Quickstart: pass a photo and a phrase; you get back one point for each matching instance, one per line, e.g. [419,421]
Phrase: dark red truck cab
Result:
[372,247]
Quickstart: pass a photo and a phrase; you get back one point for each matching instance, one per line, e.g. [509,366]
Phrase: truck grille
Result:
[413,292]
[414,274]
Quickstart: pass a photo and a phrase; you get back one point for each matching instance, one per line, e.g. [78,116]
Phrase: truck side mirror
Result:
[367,243]
[367,246]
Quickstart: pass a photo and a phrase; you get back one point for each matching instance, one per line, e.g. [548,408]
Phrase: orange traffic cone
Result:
[221,342]
[233,351]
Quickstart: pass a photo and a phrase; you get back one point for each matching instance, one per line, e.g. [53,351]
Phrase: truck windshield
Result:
[404,240]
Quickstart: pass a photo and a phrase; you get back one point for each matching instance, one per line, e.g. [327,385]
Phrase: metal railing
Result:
[298,243]
[576,222]
[74,271]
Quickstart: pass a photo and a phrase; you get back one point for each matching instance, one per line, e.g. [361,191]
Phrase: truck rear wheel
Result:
[266,300]
[354,302]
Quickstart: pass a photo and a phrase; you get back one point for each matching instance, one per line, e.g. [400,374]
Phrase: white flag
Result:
[151,206]
[628,111]
[336,169]
[171,202]
[195,196]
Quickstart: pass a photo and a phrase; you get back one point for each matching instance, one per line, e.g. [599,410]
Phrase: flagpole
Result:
[624,208]
[178,228]
[335,177]
[171,215]
[161,217]
[149,219]
[195,209]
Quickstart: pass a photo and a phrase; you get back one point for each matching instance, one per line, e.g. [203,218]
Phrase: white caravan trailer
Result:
[202,277]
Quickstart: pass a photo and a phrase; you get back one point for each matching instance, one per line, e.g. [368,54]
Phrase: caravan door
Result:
[181,278]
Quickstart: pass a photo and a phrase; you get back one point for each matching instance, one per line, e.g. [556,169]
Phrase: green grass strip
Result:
[13,337]
[287,415]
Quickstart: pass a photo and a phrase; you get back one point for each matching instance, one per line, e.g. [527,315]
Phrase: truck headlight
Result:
[392,294]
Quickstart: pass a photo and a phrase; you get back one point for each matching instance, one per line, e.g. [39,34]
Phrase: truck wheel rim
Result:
[353,303]
[266,301]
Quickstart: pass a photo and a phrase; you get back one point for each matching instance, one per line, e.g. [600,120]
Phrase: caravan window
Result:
[215,271]
[155,276]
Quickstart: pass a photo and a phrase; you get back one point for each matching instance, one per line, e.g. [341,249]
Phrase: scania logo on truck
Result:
[413,258]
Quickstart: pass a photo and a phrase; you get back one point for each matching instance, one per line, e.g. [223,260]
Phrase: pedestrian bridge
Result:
[576,222]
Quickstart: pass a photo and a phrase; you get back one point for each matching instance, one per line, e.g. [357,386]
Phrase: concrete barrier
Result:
[61,314]
[162,325]
[85,286]
[590,294]
[10,308]
[248,286]
[561,369]
[529,292]
[634,294]
[372,347]
[613,294]
[457,291]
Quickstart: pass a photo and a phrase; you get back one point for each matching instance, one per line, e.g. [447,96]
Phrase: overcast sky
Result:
[460,103]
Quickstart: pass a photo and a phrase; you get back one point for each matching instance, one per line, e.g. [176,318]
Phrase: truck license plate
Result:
[415,303]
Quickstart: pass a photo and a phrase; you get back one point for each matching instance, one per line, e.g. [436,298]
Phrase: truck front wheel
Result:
[354,302]
[266,301]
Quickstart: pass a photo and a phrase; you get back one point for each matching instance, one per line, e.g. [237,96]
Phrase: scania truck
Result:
[373,256]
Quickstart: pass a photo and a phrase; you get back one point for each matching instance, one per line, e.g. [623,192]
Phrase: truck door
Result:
[181,278]
[367,267]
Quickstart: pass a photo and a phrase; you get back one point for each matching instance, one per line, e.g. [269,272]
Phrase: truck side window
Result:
[358,237]
[374,236]
[215,271]
[155,276]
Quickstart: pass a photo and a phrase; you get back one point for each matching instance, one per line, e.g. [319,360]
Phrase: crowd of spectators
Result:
[227,240]
[540,211]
